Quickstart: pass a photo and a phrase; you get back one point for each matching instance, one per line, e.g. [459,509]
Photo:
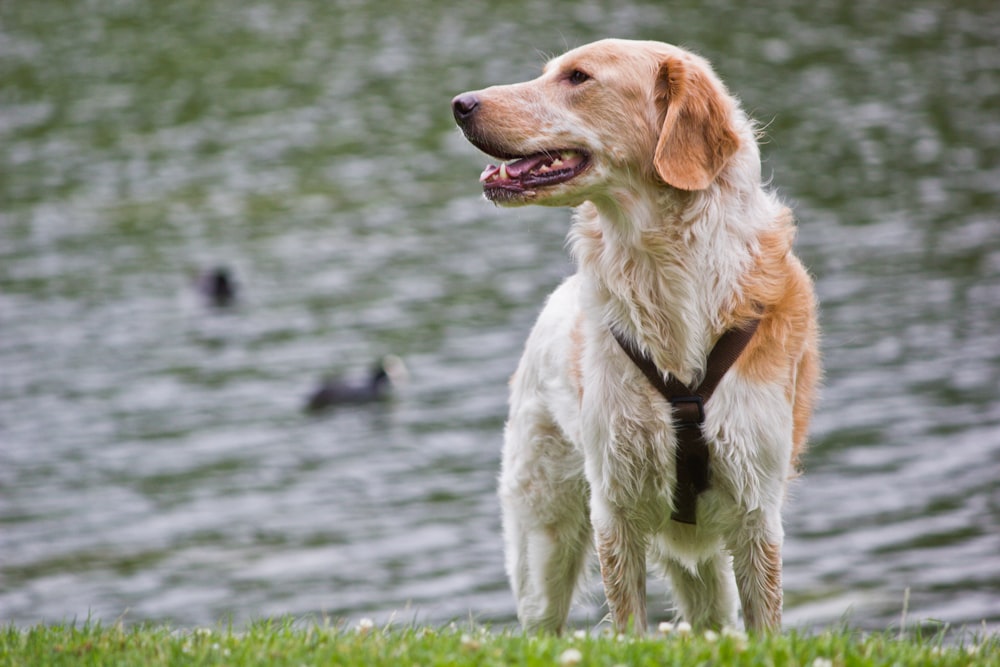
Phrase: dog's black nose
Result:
[464,107]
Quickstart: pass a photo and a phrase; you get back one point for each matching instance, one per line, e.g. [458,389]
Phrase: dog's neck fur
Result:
[667,267]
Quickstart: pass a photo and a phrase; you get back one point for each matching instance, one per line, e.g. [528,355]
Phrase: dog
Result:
[676,241]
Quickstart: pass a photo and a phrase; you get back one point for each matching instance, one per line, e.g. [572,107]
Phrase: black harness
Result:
[689,412]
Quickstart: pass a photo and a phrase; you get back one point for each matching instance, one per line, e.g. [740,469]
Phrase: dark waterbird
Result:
[218,287]
[378,386]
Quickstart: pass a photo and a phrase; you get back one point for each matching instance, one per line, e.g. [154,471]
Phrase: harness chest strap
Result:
[689,411]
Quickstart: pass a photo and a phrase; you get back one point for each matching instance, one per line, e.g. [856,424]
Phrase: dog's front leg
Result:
[757,564]
[621,550]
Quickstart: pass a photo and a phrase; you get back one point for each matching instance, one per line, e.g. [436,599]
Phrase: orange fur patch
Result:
[785,348]
[696,139]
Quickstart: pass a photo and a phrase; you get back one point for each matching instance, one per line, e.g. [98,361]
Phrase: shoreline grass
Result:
[294,643]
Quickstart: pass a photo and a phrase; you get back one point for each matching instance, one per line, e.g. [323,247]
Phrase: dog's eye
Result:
[576,77]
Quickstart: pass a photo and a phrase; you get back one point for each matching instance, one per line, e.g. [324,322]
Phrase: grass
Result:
[287,642]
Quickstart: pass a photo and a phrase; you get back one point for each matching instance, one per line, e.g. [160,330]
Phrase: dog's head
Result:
[600,117]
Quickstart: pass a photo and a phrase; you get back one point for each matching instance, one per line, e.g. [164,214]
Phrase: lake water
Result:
[155,463]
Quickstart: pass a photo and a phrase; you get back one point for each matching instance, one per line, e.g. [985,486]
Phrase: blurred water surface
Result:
[154,460]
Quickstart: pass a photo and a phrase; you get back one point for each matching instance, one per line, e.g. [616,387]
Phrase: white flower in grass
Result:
[739,638]
[580,634]
[683,628]
[822,662]
[570,657]
[665,628]
[733,633]
[711,636]
[365,625]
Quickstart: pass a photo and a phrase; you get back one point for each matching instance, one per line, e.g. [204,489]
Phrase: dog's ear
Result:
[696,137]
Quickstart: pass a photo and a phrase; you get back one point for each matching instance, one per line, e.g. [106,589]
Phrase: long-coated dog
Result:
[676,242]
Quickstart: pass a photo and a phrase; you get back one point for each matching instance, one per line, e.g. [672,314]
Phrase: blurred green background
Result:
[154,459]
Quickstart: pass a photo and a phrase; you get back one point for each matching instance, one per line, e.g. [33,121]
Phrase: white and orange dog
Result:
[676,242]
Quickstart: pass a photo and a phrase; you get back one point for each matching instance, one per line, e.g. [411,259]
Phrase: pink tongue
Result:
[524,165]
[517,168]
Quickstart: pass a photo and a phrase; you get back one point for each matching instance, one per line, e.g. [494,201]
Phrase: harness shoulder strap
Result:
[727,350]
[725,353]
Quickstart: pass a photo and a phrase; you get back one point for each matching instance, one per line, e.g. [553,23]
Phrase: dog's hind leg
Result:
[546,525]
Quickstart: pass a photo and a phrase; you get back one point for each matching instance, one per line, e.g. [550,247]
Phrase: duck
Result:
[218,287]
[388,373]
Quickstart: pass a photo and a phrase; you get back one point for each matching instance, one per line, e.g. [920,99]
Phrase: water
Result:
[154,460]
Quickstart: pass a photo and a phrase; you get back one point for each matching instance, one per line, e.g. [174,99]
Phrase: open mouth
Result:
[525,174]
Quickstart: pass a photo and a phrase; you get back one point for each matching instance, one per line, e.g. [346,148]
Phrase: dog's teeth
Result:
[503,171]
[544,168]
[557,163]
